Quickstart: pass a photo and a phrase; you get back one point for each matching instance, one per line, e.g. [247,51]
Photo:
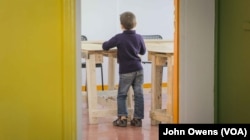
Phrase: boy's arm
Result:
[111,43]
[143,48]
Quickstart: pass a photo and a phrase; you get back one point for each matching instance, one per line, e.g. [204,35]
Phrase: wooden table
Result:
[93,53]
[160,52]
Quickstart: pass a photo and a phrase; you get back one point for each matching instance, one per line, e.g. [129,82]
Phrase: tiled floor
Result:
[106,131]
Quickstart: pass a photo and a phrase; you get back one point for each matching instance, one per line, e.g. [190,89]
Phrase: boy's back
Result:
[129,45]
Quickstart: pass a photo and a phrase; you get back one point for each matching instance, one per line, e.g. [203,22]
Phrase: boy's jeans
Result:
[134,79]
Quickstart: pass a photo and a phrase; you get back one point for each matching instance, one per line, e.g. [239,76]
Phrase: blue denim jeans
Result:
[134,79]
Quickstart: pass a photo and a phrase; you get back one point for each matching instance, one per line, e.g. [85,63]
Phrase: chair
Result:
[151,37]
[98,65]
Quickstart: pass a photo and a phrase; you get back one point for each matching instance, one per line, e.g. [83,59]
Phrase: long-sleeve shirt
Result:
[129,46]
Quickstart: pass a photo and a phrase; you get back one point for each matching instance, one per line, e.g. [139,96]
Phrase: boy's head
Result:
[128,20]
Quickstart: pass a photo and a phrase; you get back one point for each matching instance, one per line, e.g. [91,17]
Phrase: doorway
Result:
[95,34]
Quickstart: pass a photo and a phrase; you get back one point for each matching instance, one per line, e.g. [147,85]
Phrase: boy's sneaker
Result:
[120,122]
[136,122]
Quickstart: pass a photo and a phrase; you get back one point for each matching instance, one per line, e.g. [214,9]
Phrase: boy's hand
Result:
[139,55]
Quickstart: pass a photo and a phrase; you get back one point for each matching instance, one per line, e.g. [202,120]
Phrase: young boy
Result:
[129,46]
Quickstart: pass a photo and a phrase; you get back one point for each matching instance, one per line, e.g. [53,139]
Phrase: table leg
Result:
[156,81]
[91,88]
[170,87]
[111,72]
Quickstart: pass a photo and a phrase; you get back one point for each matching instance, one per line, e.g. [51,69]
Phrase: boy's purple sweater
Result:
[129,45]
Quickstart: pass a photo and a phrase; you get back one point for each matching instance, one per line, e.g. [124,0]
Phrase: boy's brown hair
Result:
[128,20]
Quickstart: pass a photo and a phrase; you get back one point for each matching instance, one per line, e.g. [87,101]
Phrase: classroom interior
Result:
[106,24]
[101,23]
[204,96]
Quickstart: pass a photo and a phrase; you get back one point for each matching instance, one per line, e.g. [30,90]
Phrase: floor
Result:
[106,131]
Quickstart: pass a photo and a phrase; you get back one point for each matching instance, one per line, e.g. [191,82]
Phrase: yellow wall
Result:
[37,71]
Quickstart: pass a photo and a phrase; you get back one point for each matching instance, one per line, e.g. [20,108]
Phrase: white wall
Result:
[197,23]
[100,21]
